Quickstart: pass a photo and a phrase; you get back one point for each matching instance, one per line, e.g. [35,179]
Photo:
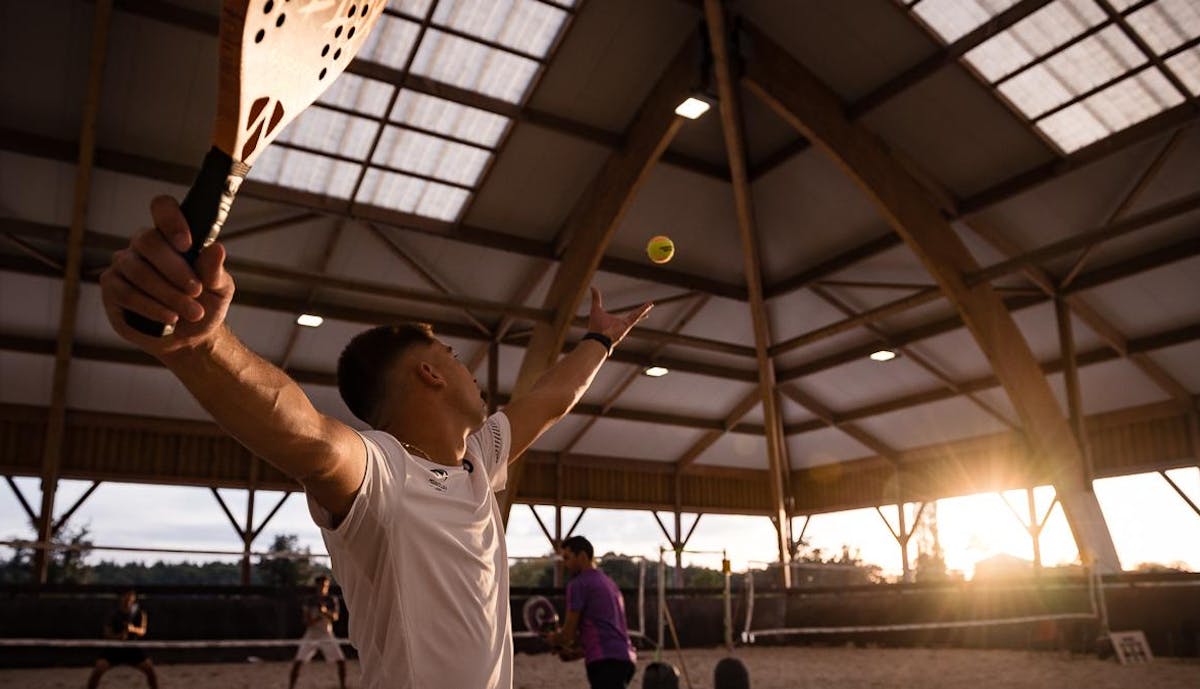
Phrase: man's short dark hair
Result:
[363,364]
[579,544]
[321,579]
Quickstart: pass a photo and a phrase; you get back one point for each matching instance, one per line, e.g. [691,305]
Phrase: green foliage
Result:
[67,565]
[286,564]
[71,567]
[532,573]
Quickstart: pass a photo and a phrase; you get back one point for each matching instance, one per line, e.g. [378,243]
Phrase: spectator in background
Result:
[126,623]
[320,611]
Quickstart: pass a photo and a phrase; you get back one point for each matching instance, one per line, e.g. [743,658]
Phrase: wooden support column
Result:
[57,416]
[903,535]
[1070,372]
[810,106]
[595,217]
[1034,525]
[735,150]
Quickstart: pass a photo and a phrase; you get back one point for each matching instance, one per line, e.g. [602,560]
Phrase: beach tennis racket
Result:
[275,58]
[539,615]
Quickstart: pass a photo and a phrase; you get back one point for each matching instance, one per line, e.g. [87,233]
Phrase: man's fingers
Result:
[170,222]
[154,248]
[210,267]
[143,278]
[597,301]
[126,296]
[639,315]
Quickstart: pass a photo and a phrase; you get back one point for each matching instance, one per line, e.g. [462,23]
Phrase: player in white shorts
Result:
[320,612]
[408,510]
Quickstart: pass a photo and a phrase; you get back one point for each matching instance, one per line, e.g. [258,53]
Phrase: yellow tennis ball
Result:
[660,249]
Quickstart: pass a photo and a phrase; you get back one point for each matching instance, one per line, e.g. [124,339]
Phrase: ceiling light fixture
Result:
[656,371]
[883,355]
[694,106]
[309,320]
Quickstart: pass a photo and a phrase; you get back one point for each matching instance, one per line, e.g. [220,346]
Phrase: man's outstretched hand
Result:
[613,326]
[152,279]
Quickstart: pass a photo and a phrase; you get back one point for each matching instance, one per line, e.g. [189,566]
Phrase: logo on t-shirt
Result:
[438,479]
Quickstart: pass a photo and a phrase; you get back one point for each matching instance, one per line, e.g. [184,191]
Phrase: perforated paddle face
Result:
[539,614]
[278,56]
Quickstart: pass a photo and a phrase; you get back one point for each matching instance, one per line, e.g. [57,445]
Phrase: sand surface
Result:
[770,668]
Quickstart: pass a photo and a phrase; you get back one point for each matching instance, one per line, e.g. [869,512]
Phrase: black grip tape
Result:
[201,208]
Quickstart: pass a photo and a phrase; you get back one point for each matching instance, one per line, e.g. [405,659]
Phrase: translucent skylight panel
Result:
[332,132]
[474,66]
[416,8]
[442,116]
[525,25]
[391,42]
[305,171]
[430,156]
[1113,109]
[1186,66]
[953,19]
[1085,65]
[353,92]
[1167,23]
[1034,36]
[411,195]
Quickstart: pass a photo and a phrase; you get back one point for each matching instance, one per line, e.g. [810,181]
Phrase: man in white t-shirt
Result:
[407,510]
[320,611]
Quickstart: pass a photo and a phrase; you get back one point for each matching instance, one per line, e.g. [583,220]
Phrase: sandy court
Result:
[770,668]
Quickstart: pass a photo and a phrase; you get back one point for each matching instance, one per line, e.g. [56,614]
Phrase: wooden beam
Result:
[733,128]
[833,265]
[66,516]
[225,508]
[919,298]
[270,515]
[33,144]
[422,272]
[595,217]
[743,407]
[1098,323]
[1086,239]
[56,416]
[1169,120]
[822,412]
[33,518]
[810,106]
[268,226]
[1143,345]
[945,56]
[916,357]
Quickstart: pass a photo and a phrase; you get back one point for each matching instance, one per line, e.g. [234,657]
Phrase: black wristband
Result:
[601,338]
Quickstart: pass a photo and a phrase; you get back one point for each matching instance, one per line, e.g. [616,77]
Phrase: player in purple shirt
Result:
[596,618]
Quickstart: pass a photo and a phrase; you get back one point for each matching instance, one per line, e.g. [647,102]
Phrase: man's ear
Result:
[430,375]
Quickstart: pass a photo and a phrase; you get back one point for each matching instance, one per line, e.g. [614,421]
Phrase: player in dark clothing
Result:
[595,619]
[127,622]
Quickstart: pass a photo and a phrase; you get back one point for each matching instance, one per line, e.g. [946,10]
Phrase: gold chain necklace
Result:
[413,448]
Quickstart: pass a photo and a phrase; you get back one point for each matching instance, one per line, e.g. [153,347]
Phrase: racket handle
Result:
[205,208]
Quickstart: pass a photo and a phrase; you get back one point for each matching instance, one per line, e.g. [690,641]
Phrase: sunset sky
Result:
[1148,520]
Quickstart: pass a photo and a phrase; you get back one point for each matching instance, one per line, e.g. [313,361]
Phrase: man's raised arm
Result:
[563,384]
[250,398]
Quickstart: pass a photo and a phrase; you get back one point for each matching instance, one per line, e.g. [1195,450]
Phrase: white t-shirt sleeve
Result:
[366,517]
[490,445]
